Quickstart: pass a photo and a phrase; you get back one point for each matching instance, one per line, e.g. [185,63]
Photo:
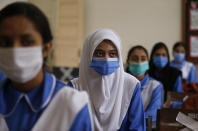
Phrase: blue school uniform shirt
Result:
[152,96]
[188,71]
[134,118]
[2,76]
[22,110]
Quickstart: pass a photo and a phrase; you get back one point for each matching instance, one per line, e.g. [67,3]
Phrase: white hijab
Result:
[110,95]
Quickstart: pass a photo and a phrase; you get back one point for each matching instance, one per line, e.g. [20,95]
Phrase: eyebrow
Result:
[26,36]
[98,50]
[22,35]
[113,50]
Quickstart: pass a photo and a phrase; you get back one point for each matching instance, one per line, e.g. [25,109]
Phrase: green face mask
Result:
[138,69]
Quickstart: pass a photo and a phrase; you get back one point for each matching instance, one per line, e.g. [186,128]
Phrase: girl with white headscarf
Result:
[115,96]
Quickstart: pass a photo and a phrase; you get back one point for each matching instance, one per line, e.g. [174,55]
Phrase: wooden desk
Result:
[166,119]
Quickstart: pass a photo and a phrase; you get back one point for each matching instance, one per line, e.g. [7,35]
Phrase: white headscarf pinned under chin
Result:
[110,95]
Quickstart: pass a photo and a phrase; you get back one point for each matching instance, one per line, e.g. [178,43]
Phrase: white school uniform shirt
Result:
[147,91]
[3,125]
[62,110]
[188,71]
[110,95]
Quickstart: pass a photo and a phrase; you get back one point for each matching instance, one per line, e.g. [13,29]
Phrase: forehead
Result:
[160,50]
[180,47]
[138,52]
[16,25]
[106,45]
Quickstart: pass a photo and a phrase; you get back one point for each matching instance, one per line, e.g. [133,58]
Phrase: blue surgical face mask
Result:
[138,69]
[160,61]
[105,66]
[179,57]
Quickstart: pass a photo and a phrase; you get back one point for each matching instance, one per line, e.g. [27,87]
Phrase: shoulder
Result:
[130,80]
[66,104]
[154,82]
[59,83]
[72,99]
[131,86]
[174,71]
[2,84]
[72,96]
[51,81]
[189,64]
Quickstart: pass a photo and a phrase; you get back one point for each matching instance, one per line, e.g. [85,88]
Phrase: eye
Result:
[164,54]
[134,58]
[5,43]
[113,54]
[26,42]
[99,53]
[143,58]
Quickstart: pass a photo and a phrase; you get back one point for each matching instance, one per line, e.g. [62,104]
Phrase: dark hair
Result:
[32,13]
[134,48]
[177,44]
[157,46]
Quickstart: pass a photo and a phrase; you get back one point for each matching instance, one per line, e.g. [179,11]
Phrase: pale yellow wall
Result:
[50,8]
[137,21]
[66,20]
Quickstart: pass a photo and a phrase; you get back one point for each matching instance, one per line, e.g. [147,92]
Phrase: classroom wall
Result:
[50,8]
[142,22]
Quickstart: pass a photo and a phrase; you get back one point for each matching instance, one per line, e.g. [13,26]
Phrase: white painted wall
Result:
[142,22]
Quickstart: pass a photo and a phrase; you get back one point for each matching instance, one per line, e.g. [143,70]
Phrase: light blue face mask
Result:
[179,57]
[160,61]
[138,69]
[105,66]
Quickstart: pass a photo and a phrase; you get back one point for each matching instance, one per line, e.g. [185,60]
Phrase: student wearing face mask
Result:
[151,89]
[115,96]
[161,71]
[187,68]
[28,91]
[2,76]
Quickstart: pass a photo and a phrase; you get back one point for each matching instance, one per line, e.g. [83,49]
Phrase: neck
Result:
[176,62]
[140,77]
[28,86]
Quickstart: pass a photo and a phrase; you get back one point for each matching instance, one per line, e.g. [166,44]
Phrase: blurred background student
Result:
[151,89]
[2,76]
[189,77]
[161,70]
[25,42]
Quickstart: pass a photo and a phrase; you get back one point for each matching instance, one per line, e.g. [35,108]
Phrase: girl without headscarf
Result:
[162,71]
[189,77]
[152,90]
[28,92]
